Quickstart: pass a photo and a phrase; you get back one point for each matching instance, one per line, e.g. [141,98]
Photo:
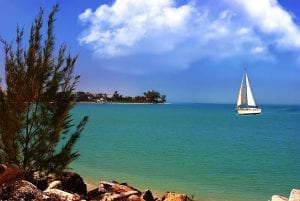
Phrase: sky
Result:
[189,50]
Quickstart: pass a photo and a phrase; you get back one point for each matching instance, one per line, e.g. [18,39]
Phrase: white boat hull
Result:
[248,110]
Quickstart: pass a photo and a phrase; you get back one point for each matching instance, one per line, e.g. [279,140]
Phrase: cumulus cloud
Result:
[271,18]
[115,30]
[142,36]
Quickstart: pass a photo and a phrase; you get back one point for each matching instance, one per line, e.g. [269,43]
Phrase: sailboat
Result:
[245,102]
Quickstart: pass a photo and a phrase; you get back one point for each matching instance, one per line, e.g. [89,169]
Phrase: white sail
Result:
[239,100]
[250,99]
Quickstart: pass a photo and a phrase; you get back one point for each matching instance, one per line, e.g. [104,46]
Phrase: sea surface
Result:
[204,150]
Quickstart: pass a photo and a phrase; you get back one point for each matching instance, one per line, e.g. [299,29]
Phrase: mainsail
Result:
[250,99]
[245,97]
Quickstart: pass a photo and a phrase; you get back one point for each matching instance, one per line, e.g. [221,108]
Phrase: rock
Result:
[54,184]
[118,188]
[93,194]
[295,195]
[97,193]
[108,191]
[62,195]
[171,196]
[134,198]
[279,198]
[20,190]
[118,196]
[147,196]
[72,182]
[115,187]
[102,188]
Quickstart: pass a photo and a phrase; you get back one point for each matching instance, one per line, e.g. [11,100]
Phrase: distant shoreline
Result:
[119,103]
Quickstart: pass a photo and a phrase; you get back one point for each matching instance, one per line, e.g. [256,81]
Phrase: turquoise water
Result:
[204,150]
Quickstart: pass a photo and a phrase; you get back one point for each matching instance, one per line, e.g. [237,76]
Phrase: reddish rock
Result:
[118,196]
[95,194]
[134,198]
[171,196]
[118,188]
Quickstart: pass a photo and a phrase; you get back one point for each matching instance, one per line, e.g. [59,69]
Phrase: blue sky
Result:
[192,51]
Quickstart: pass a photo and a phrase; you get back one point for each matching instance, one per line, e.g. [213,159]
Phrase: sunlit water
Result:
[204,150]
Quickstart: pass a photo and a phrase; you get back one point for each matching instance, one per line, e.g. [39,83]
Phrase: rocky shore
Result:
[17,184]
[294,196]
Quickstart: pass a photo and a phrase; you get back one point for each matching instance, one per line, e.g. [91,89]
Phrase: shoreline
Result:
[120,103]
[157,193]
[90,185]
[157,190]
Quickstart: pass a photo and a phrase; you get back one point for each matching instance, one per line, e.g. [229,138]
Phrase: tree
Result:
[116,96]
[36,127]
[154,97]
[163,99]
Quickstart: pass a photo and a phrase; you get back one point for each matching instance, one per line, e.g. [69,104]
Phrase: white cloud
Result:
[258,49]
[271,18]
[113,30]
[139,36]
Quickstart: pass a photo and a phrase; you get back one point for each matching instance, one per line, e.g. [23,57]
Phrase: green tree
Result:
[154,97]
[116,96]
[36,127]
[163,99]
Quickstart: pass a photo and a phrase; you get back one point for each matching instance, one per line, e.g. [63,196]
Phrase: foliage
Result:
[36,129]
[149,97]
[154,97]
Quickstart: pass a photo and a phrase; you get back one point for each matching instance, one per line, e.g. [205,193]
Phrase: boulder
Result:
[171,196]
[109,191]
[93,194]
[62,195]
[147,196]
[72,182]
[20,190]
[118,196]
[279,198]
[54,184]
[97,193]
[295,195]
[116,187]
[134,198]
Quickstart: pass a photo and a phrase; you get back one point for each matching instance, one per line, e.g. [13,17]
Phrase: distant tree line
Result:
[148,97]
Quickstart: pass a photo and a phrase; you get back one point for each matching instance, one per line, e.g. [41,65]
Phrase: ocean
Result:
[206,151]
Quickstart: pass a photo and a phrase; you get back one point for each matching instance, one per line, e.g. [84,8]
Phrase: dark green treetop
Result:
[154,97]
